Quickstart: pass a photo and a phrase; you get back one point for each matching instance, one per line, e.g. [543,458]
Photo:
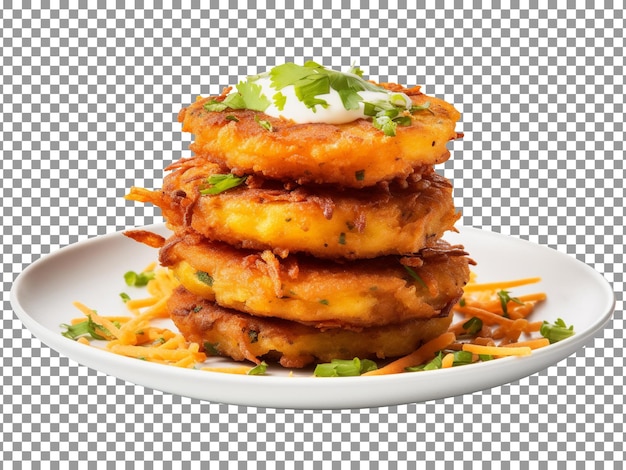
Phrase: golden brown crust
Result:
[325,222]
[327,294]
[233,334]
[353,155]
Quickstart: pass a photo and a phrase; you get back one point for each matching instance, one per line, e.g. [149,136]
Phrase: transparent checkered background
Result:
[89,103]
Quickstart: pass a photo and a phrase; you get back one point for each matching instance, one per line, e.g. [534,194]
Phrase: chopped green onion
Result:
[87,327]
[344,368]
[220,183]
[425,107]
[211,348]
[230,117]
[462,358]
[473,325]
[124,296]
[385,124]
[204,277]
[505,298]
[432,365]
[265,124]
[415,276]
[259,369]
[556,331]
[134,279]
[253,335]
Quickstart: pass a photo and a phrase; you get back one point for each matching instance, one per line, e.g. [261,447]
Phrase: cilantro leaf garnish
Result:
[222,182]
[250,96]
[556,331]
[279,101]
[312,79]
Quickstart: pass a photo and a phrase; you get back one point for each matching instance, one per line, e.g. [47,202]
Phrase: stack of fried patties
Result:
[303,243]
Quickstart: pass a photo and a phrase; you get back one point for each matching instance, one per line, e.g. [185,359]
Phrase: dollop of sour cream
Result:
[332,112]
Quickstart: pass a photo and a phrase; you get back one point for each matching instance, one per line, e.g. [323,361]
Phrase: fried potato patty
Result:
[226,332]
[354,154]
[327,223]
[326,294]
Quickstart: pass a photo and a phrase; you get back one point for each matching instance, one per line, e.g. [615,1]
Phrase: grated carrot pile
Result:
[136,336]
[499,321]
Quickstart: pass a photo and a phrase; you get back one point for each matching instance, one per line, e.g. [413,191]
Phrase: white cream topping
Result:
[334,113]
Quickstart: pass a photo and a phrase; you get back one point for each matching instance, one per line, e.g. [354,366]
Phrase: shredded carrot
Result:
[136,337]
[135,304]
[531,343]
[473,287]
[419,356]
[496,350]
[447,361]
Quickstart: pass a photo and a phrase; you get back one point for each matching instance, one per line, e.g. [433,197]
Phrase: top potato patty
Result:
[354,154]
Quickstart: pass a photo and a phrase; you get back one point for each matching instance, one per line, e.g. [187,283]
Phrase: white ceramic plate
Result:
[92,272]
